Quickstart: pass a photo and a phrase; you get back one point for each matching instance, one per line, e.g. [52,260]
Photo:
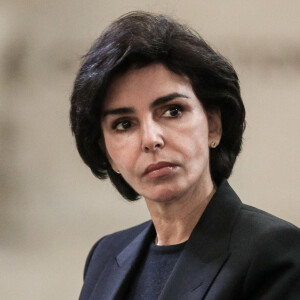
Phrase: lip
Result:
[159,169]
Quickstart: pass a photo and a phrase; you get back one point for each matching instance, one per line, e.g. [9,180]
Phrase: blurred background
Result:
[52,209]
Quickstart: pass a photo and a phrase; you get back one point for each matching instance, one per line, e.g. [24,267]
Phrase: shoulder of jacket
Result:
[263,220]
[254,229]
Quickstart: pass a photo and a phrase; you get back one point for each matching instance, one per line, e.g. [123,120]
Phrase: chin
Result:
[163,195]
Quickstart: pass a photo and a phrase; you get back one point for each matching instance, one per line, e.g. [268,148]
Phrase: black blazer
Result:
[234,252]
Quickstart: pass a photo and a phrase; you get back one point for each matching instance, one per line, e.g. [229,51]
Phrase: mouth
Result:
[159,169]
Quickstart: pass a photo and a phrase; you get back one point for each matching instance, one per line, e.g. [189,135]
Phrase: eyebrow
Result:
[167,98]
[155,103]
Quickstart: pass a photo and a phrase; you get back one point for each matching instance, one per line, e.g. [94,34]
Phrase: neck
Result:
[174,221]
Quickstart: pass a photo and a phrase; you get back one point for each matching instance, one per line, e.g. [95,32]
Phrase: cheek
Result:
[111,149]
[121,152]
[195,138]
[114,152]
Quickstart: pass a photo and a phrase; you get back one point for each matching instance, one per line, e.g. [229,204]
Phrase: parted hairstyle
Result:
[138,39]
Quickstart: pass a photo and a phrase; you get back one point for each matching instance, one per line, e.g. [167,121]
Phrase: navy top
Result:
[154,270]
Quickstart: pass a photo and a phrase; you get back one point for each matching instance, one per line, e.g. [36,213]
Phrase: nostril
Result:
[156,146]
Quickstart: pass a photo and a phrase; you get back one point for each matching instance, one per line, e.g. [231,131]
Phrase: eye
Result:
[122,125]
[174,111]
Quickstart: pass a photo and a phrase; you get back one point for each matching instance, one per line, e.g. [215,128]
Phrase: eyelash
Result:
[118,122]
[176,107]
[173,107]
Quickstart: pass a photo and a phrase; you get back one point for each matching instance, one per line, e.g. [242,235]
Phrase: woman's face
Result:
[157,134]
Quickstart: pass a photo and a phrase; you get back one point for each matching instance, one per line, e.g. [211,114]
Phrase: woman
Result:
[160,112]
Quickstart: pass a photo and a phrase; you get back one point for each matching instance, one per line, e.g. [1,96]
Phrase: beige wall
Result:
[52,208]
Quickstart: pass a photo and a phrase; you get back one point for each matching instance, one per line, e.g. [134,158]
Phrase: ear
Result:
[214,127]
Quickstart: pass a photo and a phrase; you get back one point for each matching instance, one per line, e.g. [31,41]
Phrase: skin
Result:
[152,115]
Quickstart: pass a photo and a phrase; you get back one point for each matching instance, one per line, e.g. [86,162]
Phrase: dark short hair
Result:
[139,39]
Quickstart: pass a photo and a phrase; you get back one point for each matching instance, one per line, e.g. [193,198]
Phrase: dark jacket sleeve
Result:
[274,272]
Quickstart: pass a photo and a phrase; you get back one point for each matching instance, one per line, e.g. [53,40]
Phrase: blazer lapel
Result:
[207,250]
[110,284]
[192,277]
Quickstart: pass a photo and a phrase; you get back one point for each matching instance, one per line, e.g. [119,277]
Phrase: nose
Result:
[152,136]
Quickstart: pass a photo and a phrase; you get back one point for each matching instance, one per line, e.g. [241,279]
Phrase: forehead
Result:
[147,84]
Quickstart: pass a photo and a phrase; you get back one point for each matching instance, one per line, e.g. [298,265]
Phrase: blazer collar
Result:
[112,282]
[203,256]
[207,248]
